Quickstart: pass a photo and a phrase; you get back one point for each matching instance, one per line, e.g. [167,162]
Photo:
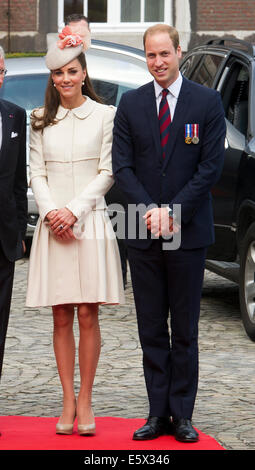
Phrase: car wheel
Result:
[247,281]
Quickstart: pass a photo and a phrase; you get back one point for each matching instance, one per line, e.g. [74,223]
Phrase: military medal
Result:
[188,137]
[195,138]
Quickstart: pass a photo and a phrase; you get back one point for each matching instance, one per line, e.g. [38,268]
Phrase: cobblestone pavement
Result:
[225,402]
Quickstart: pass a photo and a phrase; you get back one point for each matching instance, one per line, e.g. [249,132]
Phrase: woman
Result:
[70,171]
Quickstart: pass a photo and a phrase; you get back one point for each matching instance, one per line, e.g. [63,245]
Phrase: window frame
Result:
[230,64]
[114,23]
[202,54]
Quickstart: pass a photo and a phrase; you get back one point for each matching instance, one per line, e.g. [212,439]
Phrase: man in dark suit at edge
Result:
[13,200]
[168,150]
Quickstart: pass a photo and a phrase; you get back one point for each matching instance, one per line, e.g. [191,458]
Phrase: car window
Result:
[28,91]
[190,63]
[235,96]
[206,70]
[109,92]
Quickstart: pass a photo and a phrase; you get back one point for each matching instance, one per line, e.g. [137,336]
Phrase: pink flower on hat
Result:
[68,39]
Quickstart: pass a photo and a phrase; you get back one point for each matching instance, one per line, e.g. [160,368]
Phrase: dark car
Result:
[228,66]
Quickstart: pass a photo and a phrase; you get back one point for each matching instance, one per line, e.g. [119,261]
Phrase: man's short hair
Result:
[75,17]
[163,28]
[2,55]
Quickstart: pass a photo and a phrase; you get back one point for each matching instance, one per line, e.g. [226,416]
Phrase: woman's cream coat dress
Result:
[70,166]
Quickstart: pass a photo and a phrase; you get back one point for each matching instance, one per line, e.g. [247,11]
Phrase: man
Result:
[168,150]
[74,18]
[77,22]
[13,200]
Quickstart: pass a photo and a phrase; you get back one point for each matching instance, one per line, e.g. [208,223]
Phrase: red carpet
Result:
[31,433]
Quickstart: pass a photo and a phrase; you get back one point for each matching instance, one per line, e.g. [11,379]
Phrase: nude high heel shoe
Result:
[87,429]
[65,428]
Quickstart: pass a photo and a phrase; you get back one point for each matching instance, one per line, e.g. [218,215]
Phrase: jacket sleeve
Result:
[98,187]
[38,175]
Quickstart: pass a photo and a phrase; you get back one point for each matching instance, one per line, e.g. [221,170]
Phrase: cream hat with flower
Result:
[69,46]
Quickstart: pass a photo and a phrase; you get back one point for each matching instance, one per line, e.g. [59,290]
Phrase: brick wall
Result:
[225,15]
[23,15]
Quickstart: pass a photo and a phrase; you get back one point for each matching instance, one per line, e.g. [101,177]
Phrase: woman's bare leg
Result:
[89,352]
[64,348]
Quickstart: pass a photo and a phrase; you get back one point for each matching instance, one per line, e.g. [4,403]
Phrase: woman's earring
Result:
[54,84]
[83,83]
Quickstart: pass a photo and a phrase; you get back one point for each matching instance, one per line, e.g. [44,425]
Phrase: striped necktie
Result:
[164,121]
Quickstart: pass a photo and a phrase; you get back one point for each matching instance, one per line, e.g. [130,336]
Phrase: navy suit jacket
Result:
[13,180]
[187,173]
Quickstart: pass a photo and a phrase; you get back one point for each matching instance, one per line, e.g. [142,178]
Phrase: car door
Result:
[230,76]
[203,67]
[234,89]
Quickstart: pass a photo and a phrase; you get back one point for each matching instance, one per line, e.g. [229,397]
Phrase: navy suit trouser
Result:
[168,281]
[6,283]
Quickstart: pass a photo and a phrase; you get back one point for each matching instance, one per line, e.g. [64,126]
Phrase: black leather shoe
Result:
[184,431]
[153,428]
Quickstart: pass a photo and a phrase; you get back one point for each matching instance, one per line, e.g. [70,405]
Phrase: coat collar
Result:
[81,112]
[174,88]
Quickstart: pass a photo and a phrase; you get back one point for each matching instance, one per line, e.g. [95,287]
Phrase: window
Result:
[154,11]
[27,91]
[73,6]
[130,10]
[123,14]
[235,96]
[206,71]
[145,11]
[97,11]
[190,64]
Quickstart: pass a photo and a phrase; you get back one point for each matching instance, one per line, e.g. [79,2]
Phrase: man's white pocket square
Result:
[14,134]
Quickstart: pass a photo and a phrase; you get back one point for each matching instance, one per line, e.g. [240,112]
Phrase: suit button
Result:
[163,174]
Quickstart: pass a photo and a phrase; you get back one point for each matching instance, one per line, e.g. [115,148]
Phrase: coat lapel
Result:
[152,115]
[179,117]
[7,125]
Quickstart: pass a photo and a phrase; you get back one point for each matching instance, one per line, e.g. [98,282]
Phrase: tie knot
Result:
[165,92]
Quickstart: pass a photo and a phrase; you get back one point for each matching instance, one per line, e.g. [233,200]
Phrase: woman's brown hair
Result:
[52,100]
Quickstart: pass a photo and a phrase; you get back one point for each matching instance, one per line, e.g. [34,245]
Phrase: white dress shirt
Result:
[172,96]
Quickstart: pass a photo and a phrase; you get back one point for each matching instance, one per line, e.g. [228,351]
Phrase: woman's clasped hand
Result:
[61,222]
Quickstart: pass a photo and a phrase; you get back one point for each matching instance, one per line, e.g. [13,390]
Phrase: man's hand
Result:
[159,222]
